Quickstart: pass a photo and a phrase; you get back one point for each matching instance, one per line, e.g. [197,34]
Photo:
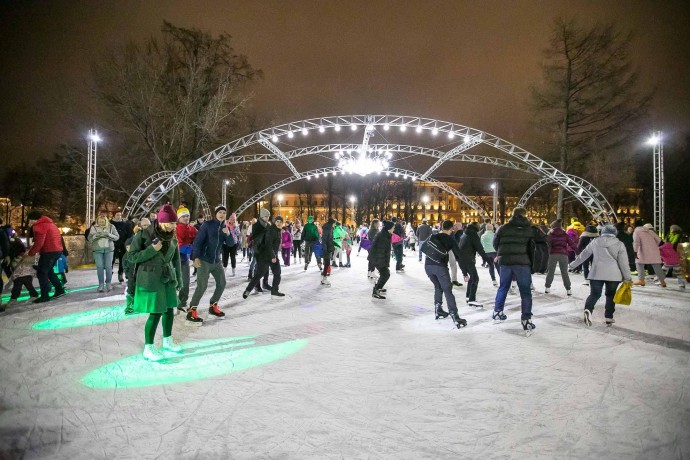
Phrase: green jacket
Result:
[339,233]
[310,232]
[158,273]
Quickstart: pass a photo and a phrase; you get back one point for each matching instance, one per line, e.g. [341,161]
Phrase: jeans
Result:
[45,274]
[440,277]
[473,282]
[421,245]
[562,261]
[216,270]
[523,276]
[595,288]
[398,250]
[657,271]
[183,295]
[453,266]
[104,267]
[491,258]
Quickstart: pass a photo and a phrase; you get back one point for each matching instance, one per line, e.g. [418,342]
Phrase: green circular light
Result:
[85,318]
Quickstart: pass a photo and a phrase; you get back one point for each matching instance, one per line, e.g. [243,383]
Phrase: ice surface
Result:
[376,379]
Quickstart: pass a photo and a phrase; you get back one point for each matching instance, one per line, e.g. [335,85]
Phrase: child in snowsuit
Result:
[61,267]
[23,273]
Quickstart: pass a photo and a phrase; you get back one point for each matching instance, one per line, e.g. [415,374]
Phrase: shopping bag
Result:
[623,294]
[366,244]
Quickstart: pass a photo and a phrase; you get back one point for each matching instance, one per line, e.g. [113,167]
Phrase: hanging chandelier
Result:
[364,160]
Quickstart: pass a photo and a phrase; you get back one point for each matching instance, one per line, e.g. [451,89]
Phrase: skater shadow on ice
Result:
[198,361]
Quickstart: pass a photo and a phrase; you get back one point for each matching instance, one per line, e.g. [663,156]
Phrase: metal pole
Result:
[224,189]
[495,210]
[91,178]
[658,184]
[662,191]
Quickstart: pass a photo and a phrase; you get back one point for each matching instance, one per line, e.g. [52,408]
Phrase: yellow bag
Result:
[623,294]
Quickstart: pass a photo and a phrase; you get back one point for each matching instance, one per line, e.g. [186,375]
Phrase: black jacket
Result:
[514,242]
[449,244]
[380,252]
[540,262]
[124,229]
[470,245]
[327,236]
[263,241]
[4,243]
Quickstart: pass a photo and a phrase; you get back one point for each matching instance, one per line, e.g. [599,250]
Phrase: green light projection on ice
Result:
[85,318]
[200,360]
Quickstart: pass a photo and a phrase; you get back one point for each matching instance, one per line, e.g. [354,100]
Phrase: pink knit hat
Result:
[167,215]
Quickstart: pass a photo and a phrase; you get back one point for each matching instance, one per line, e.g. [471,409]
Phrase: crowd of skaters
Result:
[155,257]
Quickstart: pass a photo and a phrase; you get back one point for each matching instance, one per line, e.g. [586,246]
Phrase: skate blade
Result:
[191,324]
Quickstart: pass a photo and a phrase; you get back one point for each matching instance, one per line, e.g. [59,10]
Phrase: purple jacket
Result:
[560,242]
[286,240]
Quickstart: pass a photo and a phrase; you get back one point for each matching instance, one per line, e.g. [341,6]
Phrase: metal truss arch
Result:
[335,170]
[156,178]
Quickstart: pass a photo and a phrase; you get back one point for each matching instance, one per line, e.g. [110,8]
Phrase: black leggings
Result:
[152,325]
[232,252]
[297,248]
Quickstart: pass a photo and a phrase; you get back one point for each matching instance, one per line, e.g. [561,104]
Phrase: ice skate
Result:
[499,316]
[324,281]
[305,267]
[108,287]
[277,295]
[459,322]
[245,294]
[457,283]
[609,322]
[376,294]
[585,283]
[233,272]
[258,290]
[267,286]
[214,310]
[513,290]
[569,292]
[193,318]
[547,290]
[588,317]
[475,304]
[170,346]
[181,309]
[495,283]
[528,326]
[151,354]
[639,283]
[439,311]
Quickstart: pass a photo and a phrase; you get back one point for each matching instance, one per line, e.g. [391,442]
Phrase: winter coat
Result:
[158,272]
[446,242]
[371,234]
[125,230]
[339,233]
[586,237]
[103,239]
[4,244]
[646,245]
[668,255]
[398,230]
[627,239]
[609,259]
[297,233]
[380,252]
[185,234]
[487,240]
[286,237]
[310,232]
[423,232]
[47,237]
[327,236]
[470,245]
[575,236]
[514,242]
[208,243]
[261,241]
[23,266]
[540,261]
[560,242]
[411,238]
[243,234]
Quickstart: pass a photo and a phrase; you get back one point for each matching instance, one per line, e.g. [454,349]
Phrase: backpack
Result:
[434,251]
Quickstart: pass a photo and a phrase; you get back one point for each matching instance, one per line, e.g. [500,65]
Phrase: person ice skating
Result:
[125,232]
[627,239]
[574,230]
[310,235]
[130,276]
[456,234]
[559,245]
[155,251]
[398,239]
[380,258]
[230,243]
[371,236]
[206,253]
[646,245]
[48,244]
[585,239]
[339,234]
[266,242]
[23,273]
[487,240]
[297,241]
[438,247]
[609,267]
[102,237]
[328,248]
[362,234]
[423,234]
[286,245]
[514,244]
[186,234]
[470,245]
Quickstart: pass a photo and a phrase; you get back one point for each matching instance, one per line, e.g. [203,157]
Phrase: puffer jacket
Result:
[669,255]
[47,237]
[327,239]
[185,234]
[587,236]
[487,240]
[310,232]
[609,259]
[560,242]
[470,245]
[514,242]
[646,245]
[380,252]
[208,243]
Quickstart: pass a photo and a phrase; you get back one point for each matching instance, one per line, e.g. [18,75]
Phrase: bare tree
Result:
[588,96]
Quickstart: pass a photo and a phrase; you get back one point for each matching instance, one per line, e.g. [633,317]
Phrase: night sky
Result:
[466,62]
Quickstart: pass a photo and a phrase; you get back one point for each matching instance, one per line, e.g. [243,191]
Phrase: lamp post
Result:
[659,210]
[94,139]
[425,200]
[494,187]
[224,195]
[280,203]
[352,205]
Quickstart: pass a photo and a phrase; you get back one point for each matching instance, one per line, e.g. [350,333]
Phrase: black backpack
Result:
[434,250]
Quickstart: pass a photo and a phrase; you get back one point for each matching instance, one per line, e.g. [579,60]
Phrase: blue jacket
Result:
[208,243]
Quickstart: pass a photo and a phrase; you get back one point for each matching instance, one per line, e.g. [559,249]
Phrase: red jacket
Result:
[185,234]
[46,237]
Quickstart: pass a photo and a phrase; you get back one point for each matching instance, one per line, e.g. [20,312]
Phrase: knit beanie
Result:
[182,212]
[310,219]
[558,223]
[167,215]
[609,230]
[264,214]
[387,225]
[33,215]
[219,208]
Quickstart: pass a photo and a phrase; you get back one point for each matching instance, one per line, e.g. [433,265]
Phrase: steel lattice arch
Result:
[155,187]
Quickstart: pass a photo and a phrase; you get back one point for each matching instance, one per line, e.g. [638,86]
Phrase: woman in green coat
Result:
[158,278]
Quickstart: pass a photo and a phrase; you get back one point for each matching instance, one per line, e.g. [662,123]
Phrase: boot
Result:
[215,310]
[459,322]
[193,318]
[440,312]
[639,283]
[101,288]
[662,283]
[151,354]
[169,345]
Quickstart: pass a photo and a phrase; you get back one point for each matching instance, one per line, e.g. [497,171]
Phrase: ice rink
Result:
[333,373]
